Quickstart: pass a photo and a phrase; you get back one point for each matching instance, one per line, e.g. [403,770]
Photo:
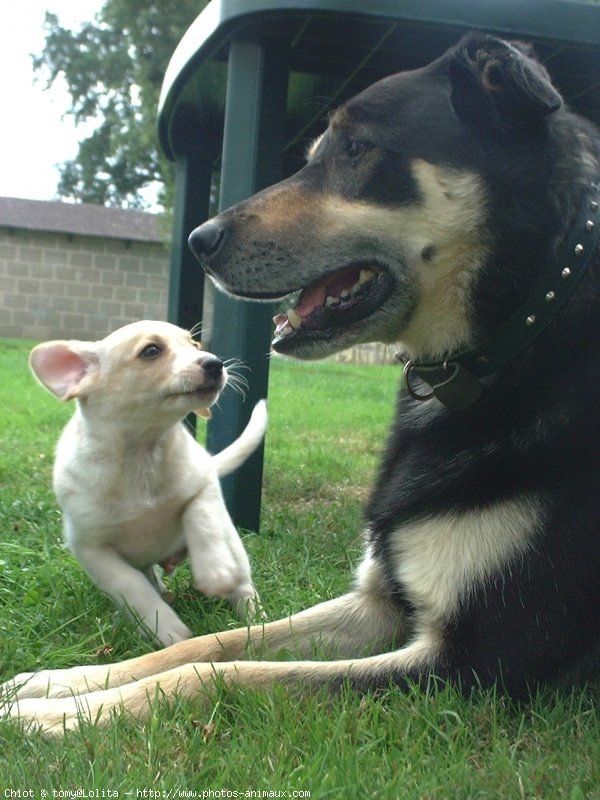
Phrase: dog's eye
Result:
[355,148]
[151,351]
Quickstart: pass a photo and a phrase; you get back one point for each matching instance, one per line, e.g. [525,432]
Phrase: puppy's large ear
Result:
[498,85]
[62,366]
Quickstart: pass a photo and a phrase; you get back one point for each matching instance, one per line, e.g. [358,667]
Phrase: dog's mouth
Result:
[330,305]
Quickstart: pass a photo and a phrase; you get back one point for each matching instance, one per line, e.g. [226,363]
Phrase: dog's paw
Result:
[48,717]
[54,717]
[54,683]
[35,684]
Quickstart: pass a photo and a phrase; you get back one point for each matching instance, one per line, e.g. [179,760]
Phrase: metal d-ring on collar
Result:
[452,384]
[408,368]
[455,382]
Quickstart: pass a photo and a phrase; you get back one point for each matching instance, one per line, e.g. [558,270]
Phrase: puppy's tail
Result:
[238,451]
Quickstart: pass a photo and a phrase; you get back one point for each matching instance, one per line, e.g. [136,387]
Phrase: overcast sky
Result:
[34,136]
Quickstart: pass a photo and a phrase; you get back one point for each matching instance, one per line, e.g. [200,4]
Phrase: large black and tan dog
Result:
[452,210]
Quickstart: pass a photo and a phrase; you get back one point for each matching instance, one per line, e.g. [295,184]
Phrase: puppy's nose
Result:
[212,366]
[206,240]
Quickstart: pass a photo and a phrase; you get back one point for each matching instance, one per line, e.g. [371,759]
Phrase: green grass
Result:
[326,428]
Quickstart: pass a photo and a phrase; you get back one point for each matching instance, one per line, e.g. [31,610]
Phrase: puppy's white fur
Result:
[135,488]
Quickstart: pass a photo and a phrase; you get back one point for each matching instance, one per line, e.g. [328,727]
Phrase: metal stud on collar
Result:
[579,250]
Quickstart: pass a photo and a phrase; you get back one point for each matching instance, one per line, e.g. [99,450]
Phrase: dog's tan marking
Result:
[449,222]
[313,147]
[441,559]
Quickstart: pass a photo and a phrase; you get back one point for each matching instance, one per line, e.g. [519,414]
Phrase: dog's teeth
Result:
[332,301]
[345,293]
[365,276]
[294,319]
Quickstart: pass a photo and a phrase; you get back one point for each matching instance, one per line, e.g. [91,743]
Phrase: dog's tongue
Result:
[318,295]
[311,299]
[332,286]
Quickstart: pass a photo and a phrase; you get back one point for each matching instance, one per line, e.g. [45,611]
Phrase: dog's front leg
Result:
[132,590]
[361,622]
[197,681]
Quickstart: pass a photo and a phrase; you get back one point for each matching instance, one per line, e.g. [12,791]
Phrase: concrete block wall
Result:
[65,286]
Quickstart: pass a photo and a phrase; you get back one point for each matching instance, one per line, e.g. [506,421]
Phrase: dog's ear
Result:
[62,366]
[499,85]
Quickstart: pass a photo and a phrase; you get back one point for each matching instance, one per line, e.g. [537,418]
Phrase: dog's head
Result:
[420,184]
[145,369]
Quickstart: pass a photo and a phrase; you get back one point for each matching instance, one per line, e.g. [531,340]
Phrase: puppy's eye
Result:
[151,351]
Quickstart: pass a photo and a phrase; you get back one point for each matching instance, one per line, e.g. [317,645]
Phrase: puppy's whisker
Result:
[237,381]
[196,330]
[239,385]
[235,375]
[235,363]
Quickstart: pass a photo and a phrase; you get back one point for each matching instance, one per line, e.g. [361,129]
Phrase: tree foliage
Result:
[114,68]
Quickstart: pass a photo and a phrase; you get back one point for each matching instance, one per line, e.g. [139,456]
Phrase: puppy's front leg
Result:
[218,560]
[132,590]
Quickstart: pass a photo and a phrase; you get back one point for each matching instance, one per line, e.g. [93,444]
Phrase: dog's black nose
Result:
[206,240]
[212,366]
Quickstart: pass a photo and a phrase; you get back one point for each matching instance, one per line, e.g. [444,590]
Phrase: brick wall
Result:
[78,287]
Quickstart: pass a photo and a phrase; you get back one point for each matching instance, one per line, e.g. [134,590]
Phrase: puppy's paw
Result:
[218,581]
[172,632]
[247,605]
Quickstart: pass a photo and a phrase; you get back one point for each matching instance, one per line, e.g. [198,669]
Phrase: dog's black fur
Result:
[488,108]
[438,199]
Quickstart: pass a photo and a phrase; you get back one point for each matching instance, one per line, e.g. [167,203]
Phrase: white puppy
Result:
[134,486]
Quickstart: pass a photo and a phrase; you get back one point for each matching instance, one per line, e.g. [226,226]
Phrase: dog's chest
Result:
[440,560]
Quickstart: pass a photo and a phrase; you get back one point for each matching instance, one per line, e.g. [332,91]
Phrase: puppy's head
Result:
[148,367]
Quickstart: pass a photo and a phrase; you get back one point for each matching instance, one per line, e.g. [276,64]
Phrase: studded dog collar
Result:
[456,382]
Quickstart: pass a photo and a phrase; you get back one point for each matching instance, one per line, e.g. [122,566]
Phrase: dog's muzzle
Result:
[206,240]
